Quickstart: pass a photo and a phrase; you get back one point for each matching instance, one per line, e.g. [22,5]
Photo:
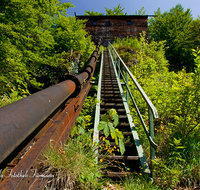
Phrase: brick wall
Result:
[111,27]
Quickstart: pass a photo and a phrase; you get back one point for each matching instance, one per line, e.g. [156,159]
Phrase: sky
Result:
[132,5]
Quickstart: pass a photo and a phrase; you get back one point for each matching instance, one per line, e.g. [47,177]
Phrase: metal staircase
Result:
[111,95]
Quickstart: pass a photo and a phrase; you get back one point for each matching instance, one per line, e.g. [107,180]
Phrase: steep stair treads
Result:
[117,165]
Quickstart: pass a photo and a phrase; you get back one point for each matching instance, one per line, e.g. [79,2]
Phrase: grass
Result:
[138,182]
[73,165]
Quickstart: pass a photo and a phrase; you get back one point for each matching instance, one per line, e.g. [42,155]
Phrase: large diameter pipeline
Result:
[21,118]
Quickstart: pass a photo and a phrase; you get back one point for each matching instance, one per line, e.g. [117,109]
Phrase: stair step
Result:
[111,100]
[109,83]
[121,117]
[109,78]
[124,133]
[121,124]
[120,157]
[112,105]
[110,92]
[118,110]
[129,144]
[116,174]
[127,133]
[114,96]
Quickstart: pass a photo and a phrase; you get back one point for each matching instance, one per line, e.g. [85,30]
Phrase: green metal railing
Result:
[97,110]
[152,112]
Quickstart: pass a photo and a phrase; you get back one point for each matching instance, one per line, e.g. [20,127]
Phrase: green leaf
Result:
[74,130]
[106,130]
[112,112]
[171,144]
[110,125]
[101,125]
[121,146]
[115,119]
[119,134]
[81,130]
[105,118]
[113,135]
[180,147]
[107,142]
[116,141]
[176,141]
[81,180]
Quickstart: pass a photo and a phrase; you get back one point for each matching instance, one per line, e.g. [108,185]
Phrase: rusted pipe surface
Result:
[57,133]
[81,77]
[19,119]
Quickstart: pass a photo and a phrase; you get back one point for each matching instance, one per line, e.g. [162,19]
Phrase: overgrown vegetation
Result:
[74,164]
[181,34]
[108,123]
[114,11]
[36,43]
[176,97]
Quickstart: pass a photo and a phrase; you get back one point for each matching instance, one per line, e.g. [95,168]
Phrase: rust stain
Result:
[19,119]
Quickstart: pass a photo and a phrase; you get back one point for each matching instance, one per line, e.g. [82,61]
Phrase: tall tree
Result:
[92,13]
[115,11]
[174,28]
[30,55]
[141,11]
[195,33]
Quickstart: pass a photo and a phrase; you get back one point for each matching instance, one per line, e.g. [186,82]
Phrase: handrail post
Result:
[151,132]
[127,94]
[119,68]
[115,57]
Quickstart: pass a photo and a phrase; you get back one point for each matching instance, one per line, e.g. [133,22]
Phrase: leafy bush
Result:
[177,99]
[36,40]
[108,123]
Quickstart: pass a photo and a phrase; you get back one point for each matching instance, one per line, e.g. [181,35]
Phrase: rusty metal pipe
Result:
[88,72]
[21,118]
[81,77]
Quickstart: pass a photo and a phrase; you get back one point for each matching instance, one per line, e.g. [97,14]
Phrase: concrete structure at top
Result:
[116,26]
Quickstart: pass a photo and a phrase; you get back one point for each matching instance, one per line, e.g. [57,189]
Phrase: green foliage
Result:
[175,156]
[115,11]
[166,177]
[141,11]
[137,181]
[86,117]
[35,43]
[92,13]
[195,34]
[12,97]
[70,172]
[143,58]
[108,123]
[176,96]
[175,27]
